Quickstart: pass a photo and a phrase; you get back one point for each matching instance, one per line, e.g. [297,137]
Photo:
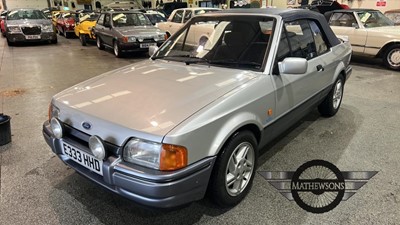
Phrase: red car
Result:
[2,27]
[66,24]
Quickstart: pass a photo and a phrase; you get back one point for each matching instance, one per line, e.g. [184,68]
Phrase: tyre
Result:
[54,41]
[99,43]
[391,58]
[234,170]
[82,38]
[117,50]
[333,100]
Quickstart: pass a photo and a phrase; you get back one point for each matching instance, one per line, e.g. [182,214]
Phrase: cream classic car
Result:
[370,33]
[179,17]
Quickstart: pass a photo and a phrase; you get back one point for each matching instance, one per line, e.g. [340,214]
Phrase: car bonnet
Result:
[151,97]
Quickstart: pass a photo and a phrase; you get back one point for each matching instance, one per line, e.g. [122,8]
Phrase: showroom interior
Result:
[49,89]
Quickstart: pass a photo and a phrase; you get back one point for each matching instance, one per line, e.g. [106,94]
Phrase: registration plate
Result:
[32,37]
[83,158]
[146,45]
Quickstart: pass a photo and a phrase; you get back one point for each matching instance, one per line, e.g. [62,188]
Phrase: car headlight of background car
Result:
[160,37]
[47,28]
[155,155]
[129,39]
[14,29]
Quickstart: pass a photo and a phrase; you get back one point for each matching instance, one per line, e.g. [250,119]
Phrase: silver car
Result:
[192,118]
[126,32]
[28,25]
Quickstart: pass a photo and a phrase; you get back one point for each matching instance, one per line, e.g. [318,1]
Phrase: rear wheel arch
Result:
[383,50]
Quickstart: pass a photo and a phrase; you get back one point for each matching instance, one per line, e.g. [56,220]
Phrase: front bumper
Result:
[135,46]
[149,187]
[20,37]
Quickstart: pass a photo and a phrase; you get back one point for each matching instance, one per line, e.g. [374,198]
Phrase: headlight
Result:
[14,29]
[159,37]
[47,28]
[129,39]
[56,127]
[155,155]
[97,147]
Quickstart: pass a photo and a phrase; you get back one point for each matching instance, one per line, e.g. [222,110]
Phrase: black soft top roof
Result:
[288,15]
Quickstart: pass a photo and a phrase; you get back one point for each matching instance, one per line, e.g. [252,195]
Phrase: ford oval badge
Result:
[86,125]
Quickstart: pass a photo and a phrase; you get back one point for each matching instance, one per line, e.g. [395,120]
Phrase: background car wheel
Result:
[117,50]
[54,41]
[392,57]
[234,170]
[82,38]
[3,33]
[333,100]
[99,43]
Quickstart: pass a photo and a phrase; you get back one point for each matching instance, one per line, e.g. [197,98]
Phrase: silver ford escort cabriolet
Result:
[192,118]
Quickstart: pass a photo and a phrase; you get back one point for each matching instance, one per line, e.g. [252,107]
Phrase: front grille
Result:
[36,30]
[77,136]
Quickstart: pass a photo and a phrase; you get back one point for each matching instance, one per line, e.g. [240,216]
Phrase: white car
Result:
[180,16]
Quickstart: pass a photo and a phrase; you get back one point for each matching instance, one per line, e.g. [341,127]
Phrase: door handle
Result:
[320,68]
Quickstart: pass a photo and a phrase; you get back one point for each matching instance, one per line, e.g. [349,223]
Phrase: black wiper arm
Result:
[224,61]
[193,59]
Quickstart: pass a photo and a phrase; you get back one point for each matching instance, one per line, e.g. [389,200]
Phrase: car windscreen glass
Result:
[155,18]
[374,19]
[88,17]
[130,19]
[233,42]
[26,14]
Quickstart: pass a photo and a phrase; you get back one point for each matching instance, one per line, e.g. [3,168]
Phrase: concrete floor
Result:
[37,188]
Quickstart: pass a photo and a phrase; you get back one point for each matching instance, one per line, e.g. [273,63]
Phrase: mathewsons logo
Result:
[318,186]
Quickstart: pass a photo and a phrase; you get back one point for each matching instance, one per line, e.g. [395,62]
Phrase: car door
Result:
[99,27]
[108,30]
[294,90]
[348,24]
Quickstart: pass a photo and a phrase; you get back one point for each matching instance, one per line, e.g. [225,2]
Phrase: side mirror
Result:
[152,50]
[293,65]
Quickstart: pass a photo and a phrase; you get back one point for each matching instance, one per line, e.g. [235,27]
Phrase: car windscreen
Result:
[155,18]
[25,14]
[130,19]
[374,19]
[225,41]
[88,17]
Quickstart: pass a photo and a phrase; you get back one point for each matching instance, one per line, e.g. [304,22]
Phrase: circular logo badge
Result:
[86,125]
[317,186]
